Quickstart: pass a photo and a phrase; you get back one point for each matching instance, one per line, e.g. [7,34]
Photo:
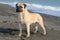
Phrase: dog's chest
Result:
[21,17]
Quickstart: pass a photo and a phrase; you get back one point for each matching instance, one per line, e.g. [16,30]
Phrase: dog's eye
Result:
[21,7]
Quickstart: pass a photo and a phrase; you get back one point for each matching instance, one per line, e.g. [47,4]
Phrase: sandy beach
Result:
[9,28]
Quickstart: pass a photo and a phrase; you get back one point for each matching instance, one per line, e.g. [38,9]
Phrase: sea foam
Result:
[50,10]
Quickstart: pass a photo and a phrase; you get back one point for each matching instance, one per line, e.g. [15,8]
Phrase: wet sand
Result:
[9,28]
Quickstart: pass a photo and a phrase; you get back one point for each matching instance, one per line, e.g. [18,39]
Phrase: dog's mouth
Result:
[19,10]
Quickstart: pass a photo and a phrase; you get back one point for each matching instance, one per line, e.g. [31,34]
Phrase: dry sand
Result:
[9,28]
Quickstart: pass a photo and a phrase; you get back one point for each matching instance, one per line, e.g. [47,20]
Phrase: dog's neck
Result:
[24,13]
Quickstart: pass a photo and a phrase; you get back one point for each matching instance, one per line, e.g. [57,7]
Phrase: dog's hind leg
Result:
[40,21]
[36,29]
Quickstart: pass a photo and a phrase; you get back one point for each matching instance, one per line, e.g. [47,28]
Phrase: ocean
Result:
[50,7]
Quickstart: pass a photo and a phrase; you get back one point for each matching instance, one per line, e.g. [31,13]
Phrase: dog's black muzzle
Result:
[18,9]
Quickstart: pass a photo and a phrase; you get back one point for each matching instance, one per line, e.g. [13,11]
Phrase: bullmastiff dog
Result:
[28,18]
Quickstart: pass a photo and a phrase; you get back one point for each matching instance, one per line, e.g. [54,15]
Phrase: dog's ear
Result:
[24,5]
[16,5]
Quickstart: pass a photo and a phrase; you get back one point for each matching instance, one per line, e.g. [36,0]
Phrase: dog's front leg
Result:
[20,33]
[28,30]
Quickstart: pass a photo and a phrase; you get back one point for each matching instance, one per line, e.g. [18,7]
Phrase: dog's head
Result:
[20,7]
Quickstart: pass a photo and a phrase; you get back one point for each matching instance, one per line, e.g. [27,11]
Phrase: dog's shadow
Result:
[9,31]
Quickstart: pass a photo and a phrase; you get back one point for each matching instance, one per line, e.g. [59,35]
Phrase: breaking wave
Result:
[55,11]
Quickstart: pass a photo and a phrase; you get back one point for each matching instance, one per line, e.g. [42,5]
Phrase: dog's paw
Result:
[44,33]
[28,36]
[20,35]
[35,32]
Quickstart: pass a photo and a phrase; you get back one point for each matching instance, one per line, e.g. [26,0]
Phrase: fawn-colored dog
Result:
[28,18]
